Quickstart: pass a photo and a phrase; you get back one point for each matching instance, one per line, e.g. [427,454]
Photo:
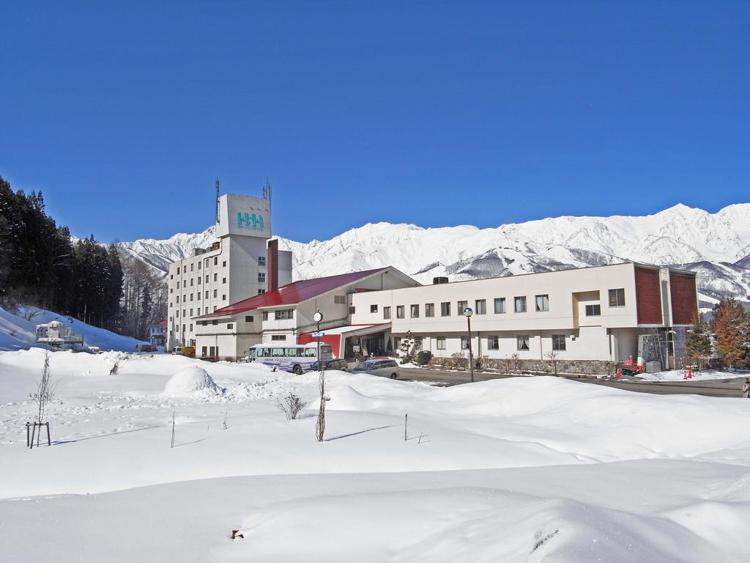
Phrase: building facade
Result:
[233,268]
[588,315]
[285,315]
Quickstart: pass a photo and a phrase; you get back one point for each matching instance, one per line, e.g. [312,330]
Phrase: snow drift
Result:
[191,381]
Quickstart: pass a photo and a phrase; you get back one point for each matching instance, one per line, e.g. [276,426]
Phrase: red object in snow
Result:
[618,374]
[688,374]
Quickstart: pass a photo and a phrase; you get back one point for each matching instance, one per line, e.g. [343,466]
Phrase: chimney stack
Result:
[272,265]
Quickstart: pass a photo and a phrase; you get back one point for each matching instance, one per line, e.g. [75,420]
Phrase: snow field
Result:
[489,470]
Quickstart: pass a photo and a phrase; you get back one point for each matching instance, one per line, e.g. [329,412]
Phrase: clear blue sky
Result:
[434,113]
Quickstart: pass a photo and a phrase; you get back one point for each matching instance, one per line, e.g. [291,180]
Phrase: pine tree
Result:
[698,344]
[731,326]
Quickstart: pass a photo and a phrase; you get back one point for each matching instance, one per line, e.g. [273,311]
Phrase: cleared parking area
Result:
[713,388]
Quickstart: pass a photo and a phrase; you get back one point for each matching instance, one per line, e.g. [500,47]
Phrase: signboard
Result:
[243,215]
[318,334]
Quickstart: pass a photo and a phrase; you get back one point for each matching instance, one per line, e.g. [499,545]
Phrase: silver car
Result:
[383,368]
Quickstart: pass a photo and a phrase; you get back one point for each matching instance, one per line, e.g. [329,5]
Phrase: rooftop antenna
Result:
[217,200]
[267,191]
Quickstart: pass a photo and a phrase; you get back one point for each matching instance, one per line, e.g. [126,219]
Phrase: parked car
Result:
[384,368]
[340,365]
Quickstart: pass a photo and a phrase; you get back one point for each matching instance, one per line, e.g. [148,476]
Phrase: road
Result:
[713,388]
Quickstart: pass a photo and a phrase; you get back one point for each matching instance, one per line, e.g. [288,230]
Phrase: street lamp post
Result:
[468,312]
[321,426]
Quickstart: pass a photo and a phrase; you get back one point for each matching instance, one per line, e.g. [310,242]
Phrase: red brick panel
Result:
[684,298]
[272,265]
[648,296]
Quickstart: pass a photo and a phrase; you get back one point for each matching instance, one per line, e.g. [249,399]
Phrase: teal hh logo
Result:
[247,220]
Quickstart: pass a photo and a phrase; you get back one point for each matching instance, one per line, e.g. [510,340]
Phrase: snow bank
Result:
[190,382]
[681,375]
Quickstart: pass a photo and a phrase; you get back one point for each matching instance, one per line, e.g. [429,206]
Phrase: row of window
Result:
[261,262]
[541,304]
[493,343]
[261,279]
[205,261]
[198,296]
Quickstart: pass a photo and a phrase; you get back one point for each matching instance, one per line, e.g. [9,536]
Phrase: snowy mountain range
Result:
[716,245]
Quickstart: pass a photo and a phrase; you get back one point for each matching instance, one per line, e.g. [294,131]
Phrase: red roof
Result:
[293,293]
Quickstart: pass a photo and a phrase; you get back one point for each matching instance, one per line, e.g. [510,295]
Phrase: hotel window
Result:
[191,311]
[464,343]
[386,313]
[520,304]
[261,277]
[206,278]
[178,312]
[191,267]
[617,297]
[522,343]
[445,309]
[183,328]
[429,310]
[207,295]
[265,315]
[171,276]
[214,322]
[278,337]
[480,306]
[499,305]
[593,310]
[198,279]
[216,261]
[178,285]
[171,290]
[198,295]
[339,299]
[352,310]
[224,264]
[493,343]
[216,292]
[440,342]
[216,277]
[224,297]
[191,327]
[230,326]
[373,308]
[558,342]
[260,291]
[199,264]
[284,314]
[261,260]
[414,311]
[542,303]
[460,306]
[223,280]
[184,312]
[399,311]
[249,319]
[178,299]
[184,269]
[191,297]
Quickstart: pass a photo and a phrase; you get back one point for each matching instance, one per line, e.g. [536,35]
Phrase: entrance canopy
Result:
[336,337]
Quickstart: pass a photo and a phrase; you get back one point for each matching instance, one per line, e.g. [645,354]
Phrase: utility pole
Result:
[321,426]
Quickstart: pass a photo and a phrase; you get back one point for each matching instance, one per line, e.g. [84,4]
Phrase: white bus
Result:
[289,357]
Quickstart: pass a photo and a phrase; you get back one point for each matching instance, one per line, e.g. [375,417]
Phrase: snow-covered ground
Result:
[521,469]
[683,375]
[18,330]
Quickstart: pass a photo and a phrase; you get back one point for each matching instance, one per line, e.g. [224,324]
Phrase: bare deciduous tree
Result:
[291,405]
[45,390]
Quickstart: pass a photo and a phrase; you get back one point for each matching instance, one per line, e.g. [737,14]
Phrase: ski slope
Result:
[18,330]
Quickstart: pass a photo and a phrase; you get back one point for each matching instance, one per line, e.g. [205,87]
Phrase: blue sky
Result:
[434,113]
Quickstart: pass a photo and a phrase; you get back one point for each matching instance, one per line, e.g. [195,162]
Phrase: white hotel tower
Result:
[231,269]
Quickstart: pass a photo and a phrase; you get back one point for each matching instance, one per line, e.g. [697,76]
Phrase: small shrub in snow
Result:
[423,357]
[291,405]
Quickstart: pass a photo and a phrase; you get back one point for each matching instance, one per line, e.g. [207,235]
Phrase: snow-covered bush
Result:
[191,381]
